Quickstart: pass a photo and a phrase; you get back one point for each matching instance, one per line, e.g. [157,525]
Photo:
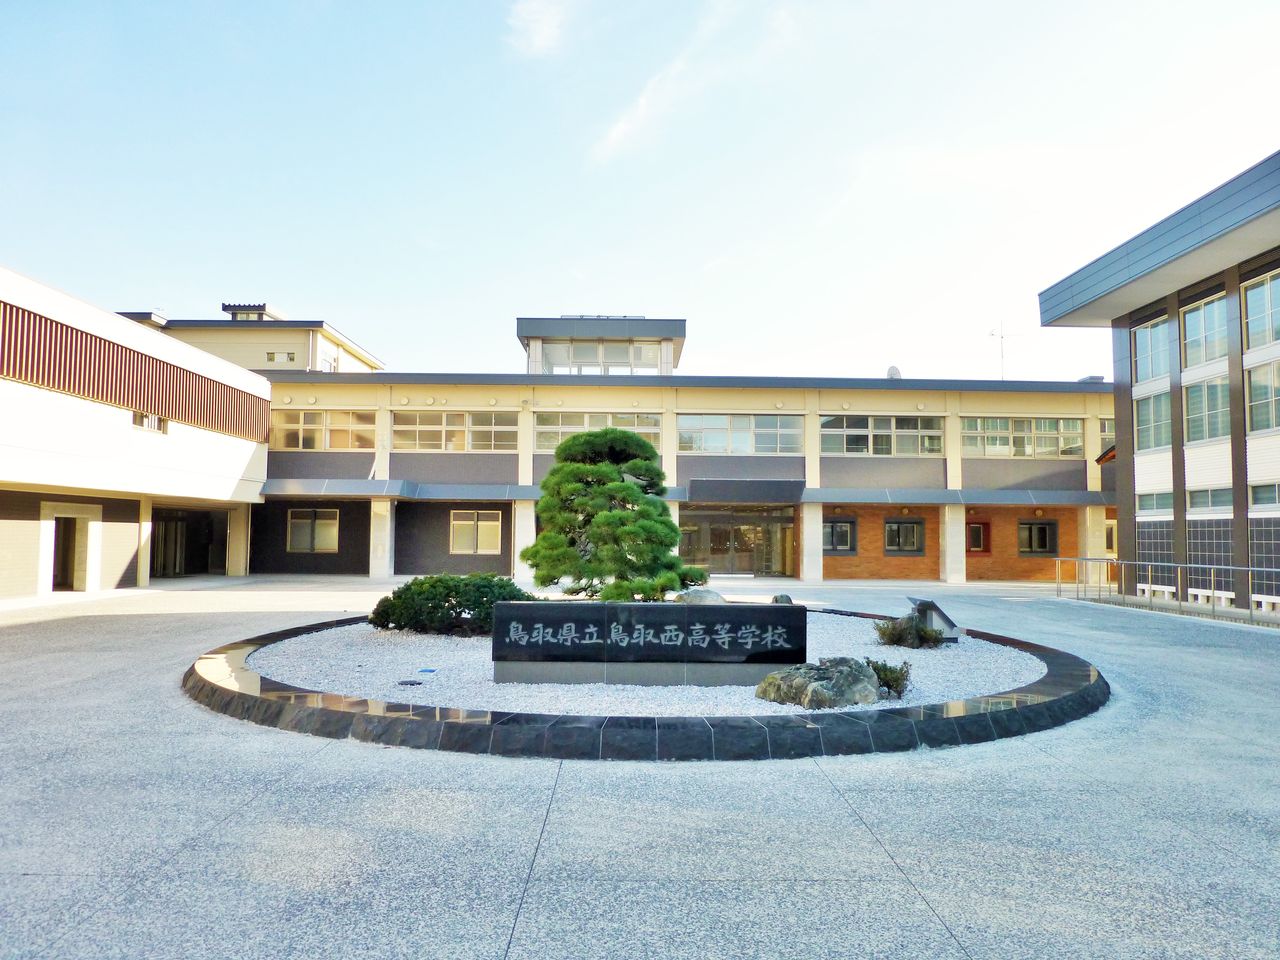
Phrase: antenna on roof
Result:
[894,373]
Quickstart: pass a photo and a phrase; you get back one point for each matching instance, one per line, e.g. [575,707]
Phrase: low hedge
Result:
[446,604]
[894,679]
[908,631]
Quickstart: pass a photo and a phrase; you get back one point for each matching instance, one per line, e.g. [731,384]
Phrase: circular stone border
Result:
[1070,689]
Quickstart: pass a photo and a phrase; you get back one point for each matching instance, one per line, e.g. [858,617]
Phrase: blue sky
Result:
[821,188]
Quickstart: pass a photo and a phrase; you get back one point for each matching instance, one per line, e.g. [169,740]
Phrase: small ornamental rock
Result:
[699,595]
[834,682]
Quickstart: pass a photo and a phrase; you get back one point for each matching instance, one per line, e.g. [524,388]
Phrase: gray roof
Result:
[1229,224]
[590,328]
[799,383]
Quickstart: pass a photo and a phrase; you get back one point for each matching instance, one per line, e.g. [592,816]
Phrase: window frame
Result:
[1051,547]
[457,518]
[1143,332]
[1218,333]
[315,427]
[746,425]
[842,428]
[449,429]
[828,537]
[1022,437]
[1153,427]
[651,432]
[599,364]
[314,519]
[985,549]
[1217,418]
[1270,284]
[1271,403]
[1157,503]
[914,522]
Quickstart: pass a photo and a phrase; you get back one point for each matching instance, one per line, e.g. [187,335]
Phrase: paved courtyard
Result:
[134,823]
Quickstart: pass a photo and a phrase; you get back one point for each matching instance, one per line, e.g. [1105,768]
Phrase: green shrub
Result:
[446,604]
[907,632]
[895,678]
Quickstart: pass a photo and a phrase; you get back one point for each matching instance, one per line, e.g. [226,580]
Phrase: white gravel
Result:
[361,661]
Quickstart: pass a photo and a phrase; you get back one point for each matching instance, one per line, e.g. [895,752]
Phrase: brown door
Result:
[64,553]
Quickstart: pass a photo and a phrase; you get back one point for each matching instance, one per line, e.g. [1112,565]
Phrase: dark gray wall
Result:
[923,472]
[710,466]
[454,467]
[542,463]
[319,465]
[1018,474]
[1109,476]
[270,528]
[422,540]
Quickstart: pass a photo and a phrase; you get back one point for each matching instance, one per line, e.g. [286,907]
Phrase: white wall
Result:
[55,440]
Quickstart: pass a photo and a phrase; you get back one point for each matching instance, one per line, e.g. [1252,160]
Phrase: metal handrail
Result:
[1113,579]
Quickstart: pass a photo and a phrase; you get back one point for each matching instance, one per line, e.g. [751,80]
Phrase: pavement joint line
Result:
[892,859]
[533,860]
[141,873]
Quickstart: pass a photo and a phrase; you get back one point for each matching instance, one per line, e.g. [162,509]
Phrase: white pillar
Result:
[143,565]
[238,540]
[382,554]
[524,530]
[811,542]
[953,544]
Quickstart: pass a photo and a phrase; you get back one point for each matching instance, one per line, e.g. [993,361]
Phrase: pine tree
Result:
[605,527]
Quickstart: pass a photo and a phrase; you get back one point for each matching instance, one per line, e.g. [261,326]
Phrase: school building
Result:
[299,453]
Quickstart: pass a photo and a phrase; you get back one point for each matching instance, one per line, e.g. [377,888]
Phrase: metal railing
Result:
[1196,585]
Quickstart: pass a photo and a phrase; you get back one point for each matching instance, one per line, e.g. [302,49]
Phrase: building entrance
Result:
[188,542]
[739,539]
[64,553]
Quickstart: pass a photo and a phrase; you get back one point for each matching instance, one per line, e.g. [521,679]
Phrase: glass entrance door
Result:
[741,540]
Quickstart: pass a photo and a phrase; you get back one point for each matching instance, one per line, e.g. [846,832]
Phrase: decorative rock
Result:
[700,595]
[782,598]
[834,682]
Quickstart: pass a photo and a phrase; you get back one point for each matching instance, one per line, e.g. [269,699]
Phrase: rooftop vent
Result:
[1095,378]
[599,316]
[894,373]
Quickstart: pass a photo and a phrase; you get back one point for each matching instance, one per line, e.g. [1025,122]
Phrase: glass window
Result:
[1154,502]
[978,537]
[350,429]
[904,536]
[296,429]
[1151,350]
[1204,331]
[1208,414]
[1152,418]
[1266,494]
[840,536]
[1209,499]
[1261,299]
[601,356]
[882,436]
[1262,386]
[1042,437]
[475,531]
[550,428]
[428,430]
[740,433]
[1038,537]
[312,531]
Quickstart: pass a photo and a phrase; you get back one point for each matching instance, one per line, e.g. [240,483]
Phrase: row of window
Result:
[1207,409]
[470,531]
[1035,537]
[1265,494]
[1204,329]
[1024,436]
[698,433]
[600,357]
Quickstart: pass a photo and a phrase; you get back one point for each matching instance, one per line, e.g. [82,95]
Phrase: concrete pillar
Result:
[811,542]
[953,544]
[812,440]
[524,443]
[1093,442]
[144,542]
[953,442]
[382,438]
[669,440]
[238,540]
[382,538]
[524,530]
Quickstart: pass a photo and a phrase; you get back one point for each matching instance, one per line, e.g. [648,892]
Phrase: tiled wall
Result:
[1208,544]
[1264,551]
[1155,545]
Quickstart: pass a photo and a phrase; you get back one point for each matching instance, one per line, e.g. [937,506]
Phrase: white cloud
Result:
[537,26]
[670,84]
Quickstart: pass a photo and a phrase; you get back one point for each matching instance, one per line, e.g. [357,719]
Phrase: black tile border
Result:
[1070,689]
